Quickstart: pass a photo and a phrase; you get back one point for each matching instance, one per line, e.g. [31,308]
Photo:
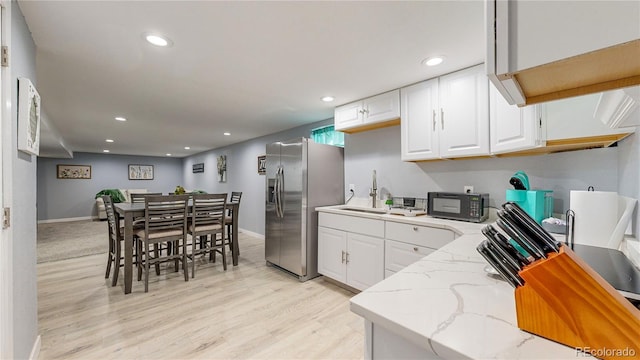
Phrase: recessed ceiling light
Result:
[120,118]
[227,134]
[109,140]
[327,98]
[433,61]
[157,40]
[168,154]
[187,148]
[105,150]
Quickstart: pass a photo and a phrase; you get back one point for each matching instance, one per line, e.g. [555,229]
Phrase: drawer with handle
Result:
[399,255]
[434,238]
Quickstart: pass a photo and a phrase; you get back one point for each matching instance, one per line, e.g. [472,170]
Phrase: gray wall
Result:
[610,169]
[72,198]
[561,172]
[23,217]
[242,173]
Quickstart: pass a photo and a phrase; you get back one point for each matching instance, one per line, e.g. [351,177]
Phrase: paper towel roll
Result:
[596,216]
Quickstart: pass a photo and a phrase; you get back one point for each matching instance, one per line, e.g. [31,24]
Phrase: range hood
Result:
[576,48]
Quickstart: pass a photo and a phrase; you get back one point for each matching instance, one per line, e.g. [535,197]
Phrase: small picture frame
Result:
[140,172]
[73,171]
[197,168]
[262,164]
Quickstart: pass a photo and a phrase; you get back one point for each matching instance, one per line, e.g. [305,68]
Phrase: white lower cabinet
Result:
[407,243]
[353,259]
[399,255]
[346,254]
[360,252]
[364,260]
[331,253]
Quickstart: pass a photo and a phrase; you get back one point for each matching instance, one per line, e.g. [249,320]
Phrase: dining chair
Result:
[165,221]
[207,218]
[115,241]
[139,197]
[228,221]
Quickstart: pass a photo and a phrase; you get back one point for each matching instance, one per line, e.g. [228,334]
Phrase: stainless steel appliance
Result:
[301,175]
[458,206]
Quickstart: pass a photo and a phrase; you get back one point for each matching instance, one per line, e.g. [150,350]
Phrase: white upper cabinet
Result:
[348,116]
[446,117]
[575,118]
[514,128]
[464,113]
[420,109]
[619,108]
[376,111]
[539,51]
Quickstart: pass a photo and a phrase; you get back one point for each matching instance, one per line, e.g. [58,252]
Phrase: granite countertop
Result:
[447,303]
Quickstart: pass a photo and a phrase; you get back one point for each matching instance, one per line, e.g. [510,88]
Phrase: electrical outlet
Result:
[352,187]
[468,189]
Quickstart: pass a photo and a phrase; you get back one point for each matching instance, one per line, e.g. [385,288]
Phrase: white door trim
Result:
[6,198]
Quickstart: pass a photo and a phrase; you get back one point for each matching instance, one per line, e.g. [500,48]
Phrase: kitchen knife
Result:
[520,239]
[515,228]
[503,243]
[489,234]
[484,249]
[502,261]
[530,235]
[539,234]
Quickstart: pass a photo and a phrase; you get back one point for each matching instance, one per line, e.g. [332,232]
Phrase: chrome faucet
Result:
[374,190]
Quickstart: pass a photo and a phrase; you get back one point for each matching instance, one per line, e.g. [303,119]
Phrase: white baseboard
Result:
[67,219]
[251,233]
[35,351]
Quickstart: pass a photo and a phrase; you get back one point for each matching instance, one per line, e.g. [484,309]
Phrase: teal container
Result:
[537,203]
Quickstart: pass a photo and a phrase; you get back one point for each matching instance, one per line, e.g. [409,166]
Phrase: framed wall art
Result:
[222,168]
[140,172]
[28,117]
[74,171]
[262,164]
[197,168]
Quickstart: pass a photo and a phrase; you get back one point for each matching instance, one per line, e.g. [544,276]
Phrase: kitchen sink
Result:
[365,210]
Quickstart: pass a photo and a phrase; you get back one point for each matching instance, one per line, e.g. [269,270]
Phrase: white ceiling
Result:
[249,68]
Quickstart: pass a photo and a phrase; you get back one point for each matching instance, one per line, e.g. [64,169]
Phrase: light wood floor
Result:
[251,311]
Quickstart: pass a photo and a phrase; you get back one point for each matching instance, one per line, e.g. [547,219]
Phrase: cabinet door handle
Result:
[415,228]
[342,257]
[415,249]
[442,118]
[347,261]
[434,120]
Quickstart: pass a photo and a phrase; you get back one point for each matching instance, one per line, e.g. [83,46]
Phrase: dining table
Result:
[130,211]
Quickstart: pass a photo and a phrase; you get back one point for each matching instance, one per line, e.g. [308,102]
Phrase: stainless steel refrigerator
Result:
[301,175]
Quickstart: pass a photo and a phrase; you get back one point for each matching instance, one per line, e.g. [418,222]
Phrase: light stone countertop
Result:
[447,304]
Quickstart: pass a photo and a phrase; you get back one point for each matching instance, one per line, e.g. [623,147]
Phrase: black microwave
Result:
[458,206]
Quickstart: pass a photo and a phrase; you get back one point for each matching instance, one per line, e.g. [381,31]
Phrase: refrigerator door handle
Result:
[281,192]
[275,192]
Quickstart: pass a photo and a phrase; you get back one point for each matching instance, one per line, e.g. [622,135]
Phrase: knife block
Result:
[566,301]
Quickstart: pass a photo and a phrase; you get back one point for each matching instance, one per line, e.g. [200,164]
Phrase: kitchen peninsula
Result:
[446,305]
